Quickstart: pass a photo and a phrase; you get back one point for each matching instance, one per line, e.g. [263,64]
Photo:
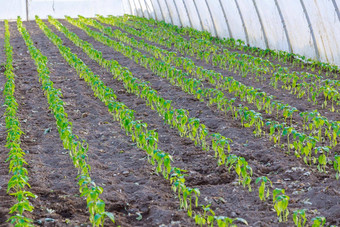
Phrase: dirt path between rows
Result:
[131,189]
[256,151]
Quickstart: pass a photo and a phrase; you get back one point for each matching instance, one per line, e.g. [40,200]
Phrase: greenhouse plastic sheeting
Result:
[272,26]
[310,28]
[136,9]
[221,26]
[133,9]
[325,25]
[165,11]
[183,14]
[252,23]
[205,16]
[12,9]
[193,14]
[151,10]
[158,11]
[173,12]
[234,20]
[297,27]
[58,8]
[87,8]
[126,6]
[144,9]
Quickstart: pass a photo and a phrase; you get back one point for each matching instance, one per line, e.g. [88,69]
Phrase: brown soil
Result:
[130,185]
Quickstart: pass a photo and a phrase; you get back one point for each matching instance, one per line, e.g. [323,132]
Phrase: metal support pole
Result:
[141,8]
[27,10]
[180,20]
[153,7]
[226,19]
[131,12]
[261,22]
[160,8]
[199,15]
[167,6]
[284,27]
[243,24]
[311,30]
[186,10]
[134,3]
[146,7]
[211,17]
[336,8]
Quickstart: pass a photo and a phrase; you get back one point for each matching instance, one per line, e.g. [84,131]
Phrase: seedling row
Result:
[184,58]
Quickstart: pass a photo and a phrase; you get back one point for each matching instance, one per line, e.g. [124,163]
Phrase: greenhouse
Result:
[170,113]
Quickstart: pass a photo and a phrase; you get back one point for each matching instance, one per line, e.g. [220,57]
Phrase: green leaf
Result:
[110,215]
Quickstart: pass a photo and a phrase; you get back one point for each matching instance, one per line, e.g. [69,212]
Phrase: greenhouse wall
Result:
[306,27]
[27,9]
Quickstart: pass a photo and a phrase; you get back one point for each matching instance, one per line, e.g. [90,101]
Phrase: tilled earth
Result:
[132,190]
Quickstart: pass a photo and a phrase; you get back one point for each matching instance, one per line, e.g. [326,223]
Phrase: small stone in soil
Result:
[126,173]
